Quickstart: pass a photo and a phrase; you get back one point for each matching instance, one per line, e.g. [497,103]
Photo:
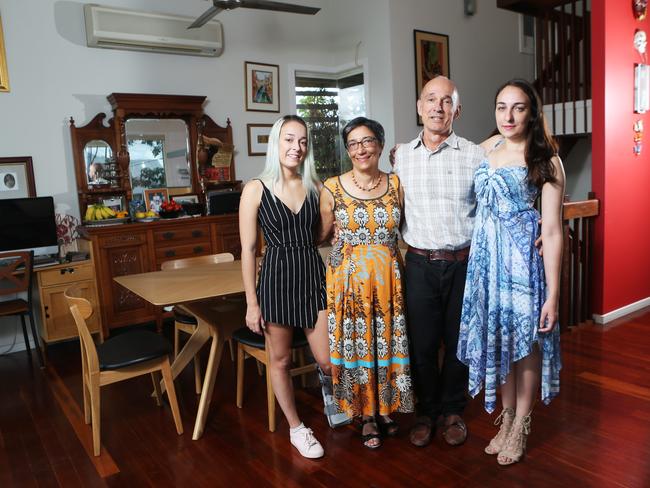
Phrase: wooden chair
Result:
[254,345]
[119,358]
[184,321]
[16,277]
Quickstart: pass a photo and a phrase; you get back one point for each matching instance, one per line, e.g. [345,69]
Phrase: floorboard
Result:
[595,434]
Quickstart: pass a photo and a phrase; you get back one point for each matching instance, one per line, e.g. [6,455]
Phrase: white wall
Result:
[577,167]
[53,75]
[483,54]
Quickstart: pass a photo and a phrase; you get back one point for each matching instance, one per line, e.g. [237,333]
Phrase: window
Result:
[327,103]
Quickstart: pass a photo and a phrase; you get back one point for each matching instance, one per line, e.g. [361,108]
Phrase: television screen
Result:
[28,223]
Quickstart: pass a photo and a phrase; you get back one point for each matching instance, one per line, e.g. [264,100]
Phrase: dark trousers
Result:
[434,299]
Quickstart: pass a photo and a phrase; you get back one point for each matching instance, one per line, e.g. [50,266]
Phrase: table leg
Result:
[216,349]
[191,348]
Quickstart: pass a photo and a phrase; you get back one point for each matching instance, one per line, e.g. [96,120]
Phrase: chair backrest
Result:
[16,273]
[81,310]
[223,257]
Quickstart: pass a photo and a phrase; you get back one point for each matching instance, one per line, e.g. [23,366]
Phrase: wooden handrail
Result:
[576,274]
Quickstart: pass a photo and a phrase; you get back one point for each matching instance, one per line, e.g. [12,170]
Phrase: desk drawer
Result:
[66,274]
[183,251]
[188,233]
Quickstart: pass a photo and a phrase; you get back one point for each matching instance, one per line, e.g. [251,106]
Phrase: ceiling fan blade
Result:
[205,17]
[275,6]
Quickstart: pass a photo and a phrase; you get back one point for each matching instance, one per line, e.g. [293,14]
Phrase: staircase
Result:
[562,60]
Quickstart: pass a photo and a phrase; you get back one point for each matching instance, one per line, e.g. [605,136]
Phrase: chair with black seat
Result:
[254,345]
[16,277]
[121,357]
[184,321]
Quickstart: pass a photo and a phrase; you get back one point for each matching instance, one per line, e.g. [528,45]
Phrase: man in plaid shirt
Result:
[436,171]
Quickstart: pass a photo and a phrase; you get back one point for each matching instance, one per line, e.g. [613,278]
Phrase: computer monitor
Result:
[28,224]
[223,201]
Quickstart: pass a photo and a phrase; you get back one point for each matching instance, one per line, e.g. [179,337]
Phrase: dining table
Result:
[199,291]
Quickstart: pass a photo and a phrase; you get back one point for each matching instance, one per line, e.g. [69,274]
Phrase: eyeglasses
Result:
[365,142]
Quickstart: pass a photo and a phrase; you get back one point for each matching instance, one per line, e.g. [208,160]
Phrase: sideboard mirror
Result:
[159,154]
[152,141]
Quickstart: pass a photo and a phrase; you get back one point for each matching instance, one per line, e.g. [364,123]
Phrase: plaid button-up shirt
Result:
[439,198]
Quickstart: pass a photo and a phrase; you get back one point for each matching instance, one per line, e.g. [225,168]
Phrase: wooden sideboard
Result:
[140,247]
[56,321]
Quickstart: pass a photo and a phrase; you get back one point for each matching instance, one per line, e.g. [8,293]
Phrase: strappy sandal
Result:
[388,426]
[498,442]
[515,445]
[369,439]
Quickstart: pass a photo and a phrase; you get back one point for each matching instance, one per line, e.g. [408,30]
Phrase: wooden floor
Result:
[596,433]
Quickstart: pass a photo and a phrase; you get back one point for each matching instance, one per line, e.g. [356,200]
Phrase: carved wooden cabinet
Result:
[140,247]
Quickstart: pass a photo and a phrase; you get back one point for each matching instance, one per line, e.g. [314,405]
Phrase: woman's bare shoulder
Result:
[489,143]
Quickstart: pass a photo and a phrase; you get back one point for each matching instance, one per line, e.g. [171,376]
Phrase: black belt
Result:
[441,254]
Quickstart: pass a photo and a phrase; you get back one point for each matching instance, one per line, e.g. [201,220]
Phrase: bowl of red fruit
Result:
[170,210]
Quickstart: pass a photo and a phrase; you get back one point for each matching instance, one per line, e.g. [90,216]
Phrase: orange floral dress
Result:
[369,347]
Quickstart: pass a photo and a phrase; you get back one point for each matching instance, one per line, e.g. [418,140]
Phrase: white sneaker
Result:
[306,443]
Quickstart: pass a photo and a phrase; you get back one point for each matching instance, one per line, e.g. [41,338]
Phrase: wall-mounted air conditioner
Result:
[117,28]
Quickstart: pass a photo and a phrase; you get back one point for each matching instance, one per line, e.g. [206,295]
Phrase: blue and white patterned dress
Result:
[505,287]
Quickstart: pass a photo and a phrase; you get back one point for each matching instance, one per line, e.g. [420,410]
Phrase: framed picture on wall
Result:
[154,198]
[431,59]
[258,138]
[4,73]
[17,178]
[262,87]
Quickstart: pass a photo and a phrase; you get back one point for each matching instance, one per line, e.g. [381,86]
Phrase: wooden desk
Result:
[196,289]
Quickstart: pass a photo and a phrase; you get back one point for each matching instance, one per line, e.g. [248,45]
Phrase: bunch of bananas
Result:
[99,212]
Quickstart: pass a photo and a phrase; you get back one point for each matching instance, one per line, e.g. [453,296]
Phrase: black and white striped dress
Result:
[291,287]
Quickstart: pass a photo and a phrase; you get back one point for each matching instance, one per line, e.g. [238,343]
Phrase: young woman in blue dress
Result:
[509,335]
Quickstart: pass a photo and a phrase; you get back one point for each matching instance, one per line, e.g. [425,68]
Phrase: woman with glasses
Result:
[365,301]
[290,293]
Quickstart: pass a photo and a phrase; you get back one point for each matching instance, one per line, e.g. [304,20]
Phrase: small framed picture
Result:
[114,203]
[4,74]
[17,178]
[258,138]
[185,199]
[262,87]
[431,59]
[154,198]
[526,34]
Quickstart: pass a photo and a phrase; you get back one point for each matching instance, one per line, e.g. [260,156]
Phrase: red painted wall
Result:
[620,179]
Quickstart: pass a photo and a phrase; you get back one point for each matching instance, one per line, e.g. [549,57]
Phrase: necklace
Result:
[363,188]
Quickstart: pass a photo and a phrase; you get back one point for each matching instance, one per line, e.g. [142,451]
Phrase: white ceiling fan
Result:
[219,5]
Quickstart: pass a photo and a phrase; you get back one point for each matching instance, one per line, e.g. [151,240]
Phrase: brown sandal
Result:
[505,418]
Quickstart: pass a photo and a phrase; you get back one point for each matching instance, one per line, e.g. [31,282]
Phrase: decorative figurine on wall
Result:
[638,137]
[640,9]
[641,43]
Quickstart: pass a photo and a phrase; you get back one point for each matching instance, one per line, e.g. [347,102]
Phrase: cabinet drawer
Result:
[67,274]
[183,251]
[227,227]
[188,233]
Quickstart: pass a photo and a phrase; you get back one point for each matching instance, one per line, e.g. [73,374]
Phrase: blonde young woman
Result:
[508,334]
[290,294]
